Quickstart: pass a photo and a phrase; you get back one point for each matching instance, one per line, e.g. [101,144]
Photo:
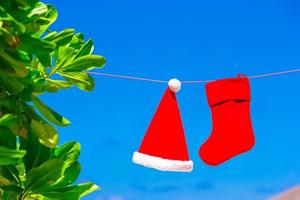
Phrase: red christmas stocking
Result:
[232,132]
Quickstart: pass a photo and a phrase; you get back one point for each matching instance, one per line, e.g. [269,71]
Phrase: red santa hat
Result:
[164,147]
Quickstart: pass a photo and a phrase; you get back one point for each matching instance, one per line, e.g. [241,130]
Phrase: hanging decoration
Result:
[232,132]
[164,145]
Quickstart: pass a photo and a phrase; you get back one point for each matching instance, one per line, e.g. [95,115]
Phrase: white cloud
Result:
[112,197]
[116,198]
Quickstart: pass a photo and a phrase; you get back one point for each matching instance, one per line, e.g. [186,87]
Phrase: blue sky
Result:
[192,39]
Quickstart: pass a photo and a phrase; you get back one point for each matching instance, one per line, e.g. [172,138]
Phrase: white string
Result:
[187,81]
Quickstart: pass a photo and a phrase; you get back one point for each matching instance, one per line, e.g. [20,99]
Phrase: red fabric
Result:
[232,131]
[165,136]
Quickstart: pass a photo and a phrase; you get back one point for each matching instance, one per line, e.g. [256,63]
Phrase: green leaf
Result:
[69,152]
[45,58]
[50,35]
[26,3]
[70,175]
[84,63]
[36,154]
[12,84]
[43,21]
[65,56]
[9,156]
[10,173]
[24,56]
[11,192]
[36,64]
[8,139]
[4,181]
[81,79]
[21,172]
[9,103]
[61,38]
[47,19]
[56,85]
[39,9]
[19,27]
[45,175]
[71,192]
[67,149]
[86,49]
[51,14]
[35,45]
[11,66]
[50,114]
[46,133]
[8,119]
[7,70]
[77,41]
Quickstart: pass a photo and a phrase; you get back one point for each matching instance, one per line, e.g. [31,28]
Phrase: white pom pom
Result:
[174,85]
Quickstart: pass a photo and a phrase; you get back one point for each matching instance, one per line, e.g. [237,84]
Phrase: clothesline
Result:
[187,81]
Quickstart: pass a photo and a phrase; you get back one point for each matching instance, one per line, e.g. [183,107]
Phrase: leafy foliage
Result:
[35,60]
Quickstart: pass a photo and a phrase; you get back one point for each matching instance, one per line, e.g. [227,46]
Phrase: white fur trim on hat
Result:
[174,85]
[161,163]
